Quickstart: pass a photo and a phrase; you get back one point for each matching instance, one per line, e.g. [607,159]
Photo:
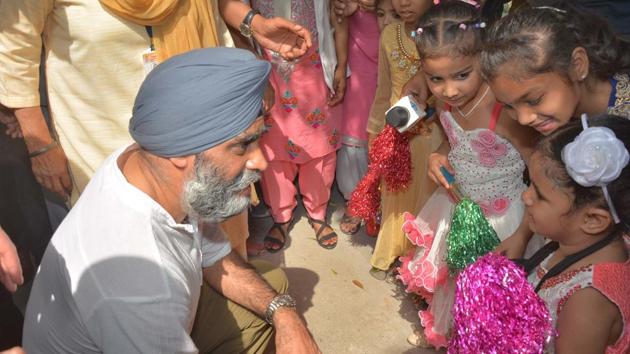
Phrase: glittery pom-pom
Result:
[390,158]
[470,236]
[497,311]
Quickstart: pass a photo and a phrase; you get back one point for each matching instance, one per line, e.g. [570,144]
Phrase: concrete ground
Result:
[346,309]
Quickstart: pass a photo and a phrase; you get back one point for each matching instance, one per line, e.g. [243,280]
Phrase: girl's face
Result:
[544,102]
[453,80]
[411,10]
[385,14]
[548,207]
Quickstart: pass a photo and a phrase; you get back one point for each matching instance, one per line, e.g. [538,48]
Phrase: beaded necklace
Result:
[406,61]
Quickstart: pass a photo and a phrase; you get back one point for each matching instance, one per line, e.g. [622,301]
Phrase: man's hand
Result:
[8,119]
[280,35]
[291,334]
[51,167]
[339,84]
[10,268]
[51,171]
[417,87]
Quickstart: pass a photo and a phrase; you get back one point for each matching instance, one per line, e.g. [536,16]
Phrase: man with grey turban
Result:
[139,265]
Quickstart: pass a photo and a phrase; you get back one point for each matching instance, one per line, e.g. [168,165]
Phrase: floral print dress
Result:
[301,126]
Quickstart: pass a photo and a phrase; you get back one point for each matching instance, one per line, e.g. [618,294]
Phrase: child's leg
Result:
[278,189]
[392,242]
[315,179]
[352,162]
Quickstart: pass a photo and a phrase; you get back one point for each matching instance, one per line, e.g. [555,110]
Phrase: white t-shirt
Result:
[119,275]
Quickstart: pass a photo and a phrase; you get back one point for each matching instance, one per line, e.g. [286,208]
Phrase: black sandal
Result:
[274,241]
[322,239]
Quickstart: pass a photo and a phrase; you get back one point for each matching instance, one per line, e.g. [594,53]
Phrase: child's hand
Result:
[513,247]
[339,84]
[368,5]
[437,160]
[345,8]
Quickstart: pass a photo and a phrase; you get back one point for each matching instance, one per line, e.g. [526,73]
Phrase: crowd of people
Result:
[155,141]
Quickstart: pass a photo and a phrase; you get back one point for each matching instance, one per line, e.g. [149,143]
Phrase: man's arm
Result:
[239,282]
[21,27]
[287,38]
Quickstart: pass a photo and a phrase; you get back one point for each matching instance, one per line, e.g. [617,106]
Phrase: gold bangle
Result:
[43,150]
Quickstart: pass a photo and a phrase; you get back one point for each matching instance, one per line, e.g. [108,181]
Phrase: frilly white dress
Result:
[489,170]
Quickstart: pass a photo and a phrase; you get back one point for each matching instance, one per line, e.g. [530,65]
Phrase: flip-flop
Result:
[274,241]
[322,239]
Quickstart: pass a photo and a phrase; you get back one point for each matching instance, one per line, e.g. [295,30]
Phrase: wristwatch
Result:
[246,25]
[282,300]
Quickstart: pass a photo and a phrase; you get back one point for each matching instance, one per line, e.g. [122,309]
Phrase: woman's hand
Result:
[280,35]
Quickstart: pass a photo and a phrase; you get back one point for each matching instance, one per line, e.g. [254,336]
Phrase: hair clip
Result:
[479,25]
[596,157]
[551,8]
[472,2]
[463,26]
[417,32]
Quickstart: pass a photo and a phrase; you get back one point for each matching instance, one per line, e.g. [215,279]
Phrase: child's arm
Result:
[524,140]
[376,120]
[514,246]
[340,24]
[587,324]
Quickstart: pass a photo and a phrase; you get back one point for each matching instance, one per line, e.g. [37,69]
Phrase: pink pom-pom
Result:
[497,311]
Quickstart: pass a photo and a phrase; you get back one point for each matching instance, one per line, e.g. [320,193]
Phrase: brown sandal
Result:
[318,233]
[270,241]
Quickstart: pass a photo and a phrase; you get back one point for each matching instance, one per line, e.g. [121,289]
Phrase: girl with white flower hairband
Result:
[580,199]
[485,152]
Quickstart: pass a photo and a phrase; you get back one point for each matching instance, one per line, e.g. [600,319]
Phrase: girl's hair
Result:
[550,147]
[542,38]
[452,28]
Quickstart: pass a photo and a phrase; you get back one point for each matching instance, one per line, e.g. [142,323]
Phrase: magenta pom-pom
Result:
[496,310]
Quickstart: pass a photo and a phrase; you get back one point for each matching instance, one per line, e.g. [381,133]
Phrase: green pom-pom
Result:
[470,236]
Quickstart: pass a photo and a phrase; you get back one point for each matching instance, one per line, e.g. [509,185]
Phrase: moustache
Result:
[243,180]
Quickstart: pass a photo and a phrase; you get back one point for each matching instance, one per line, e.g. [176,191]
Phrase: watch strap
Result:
[249,17]
[282,300]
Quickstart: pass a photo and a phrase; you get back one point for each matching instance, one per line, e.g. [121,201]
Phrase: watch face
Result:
[245,30]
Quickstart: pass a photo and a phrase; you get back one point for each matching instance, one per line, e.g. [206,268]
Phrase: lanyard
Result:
[549,248]
[150,34]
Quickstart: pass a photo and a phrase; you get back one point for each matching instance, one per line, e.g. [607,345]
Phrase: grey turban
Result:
[197,100]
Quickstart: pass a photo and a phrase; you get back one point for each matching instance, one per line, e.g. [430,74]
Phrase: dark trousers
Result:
[24,217]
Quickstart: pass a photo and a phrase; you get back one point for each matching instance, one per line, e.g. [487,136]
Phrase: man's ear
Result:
[182,163]
[596,220]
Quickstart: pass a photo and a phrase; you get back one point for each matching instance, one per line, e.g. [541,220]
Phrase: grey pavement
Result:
[346,309]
